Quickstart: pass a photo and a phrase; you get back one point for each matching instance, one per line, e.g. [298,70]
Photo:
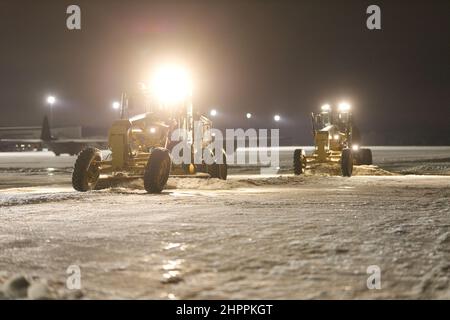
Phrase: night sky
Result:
[263,57]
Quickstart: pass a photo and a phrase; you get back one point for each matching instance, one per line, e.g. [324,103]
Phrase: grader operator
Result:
[140,146]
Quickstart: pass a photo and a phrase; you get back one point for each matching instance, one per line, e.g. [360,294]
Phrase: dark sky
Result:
[264,57]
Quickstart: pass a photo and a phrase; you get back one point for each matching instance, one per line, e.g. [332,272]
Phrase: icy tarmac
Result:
[27,169]
[251,237]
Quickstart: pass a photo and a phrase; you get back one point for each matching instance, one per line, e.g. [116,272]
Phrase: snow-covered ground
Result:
[381,155]
[44,168]
[406,160]
[252,236]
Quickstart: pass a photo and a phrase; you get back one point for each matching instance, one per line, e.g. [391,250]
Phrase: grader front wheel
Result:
[157,170]
[299,162]
[86,170]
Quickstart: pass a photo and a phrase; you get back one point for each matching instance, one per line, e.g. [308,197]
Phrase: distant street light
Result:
[51,101]
[277,118]
[116,105]
[213,113]
[248,115]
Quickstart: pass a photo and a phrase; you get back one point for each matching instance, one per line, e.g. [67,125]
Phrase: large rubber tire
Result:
[157,170]
[366,156]
[299,162]
[213,170]
[219,170]
[85,174]
[347,163]
[223,169]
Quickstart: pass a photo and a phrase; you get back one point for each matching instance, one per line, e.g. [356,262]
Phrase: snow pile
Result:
[203,184]
[187,183]
[233,182]
[334,169]
[370,170]
[248,181]
[34,288]
[433,167]
[22,199]
[23,196]
[273,181]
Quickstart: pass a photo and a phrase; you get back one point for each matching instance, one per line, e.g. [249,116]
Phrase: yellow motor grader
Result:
[140,146]
[336,140]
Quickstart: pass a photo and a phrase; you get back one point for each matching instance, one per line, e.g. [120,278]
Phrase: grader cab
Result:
[140,146]
[336,140]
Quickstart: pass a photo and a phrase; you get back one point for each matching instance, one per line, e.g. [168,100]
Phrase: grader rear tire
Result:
[85,173]
[223,171]
[347,163]
[223,167]
[157,170]
[366,156]
[219,170]
[299,162]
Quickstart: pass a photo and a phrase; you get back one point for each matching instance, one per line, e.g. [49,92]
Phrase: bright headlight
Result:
[355,147]
[152,130]
[171,84]
[336,137]
[326,107]
[344,107]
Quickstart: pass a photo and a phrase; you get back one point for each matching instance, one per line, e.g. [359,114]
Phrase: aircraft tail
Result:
[46,134]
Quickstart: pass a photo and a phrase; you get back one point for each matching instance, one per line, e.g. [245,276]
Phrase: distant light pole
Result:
[213,113]
[248,115]
[51,101]
[277,118]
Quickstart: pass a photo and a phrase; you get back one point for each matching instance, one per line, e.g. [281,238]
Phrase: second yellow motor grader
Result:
[336,140]
[140,146]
